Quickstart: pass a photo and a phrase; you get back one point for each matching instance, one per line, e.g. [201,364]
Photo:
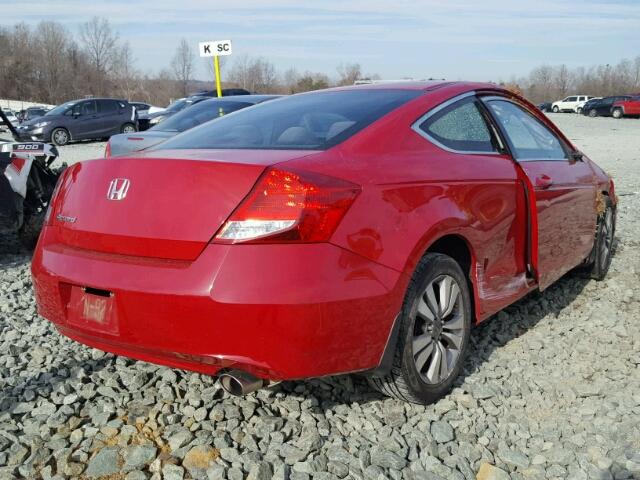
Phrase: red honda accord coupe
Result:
[359,229]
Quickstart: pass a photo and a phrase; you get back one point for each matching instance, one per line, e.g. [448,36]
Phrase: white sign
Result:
[212,49]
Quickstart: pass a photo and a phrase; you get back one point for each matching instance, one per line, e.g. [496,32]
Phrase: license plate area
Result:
[93,309]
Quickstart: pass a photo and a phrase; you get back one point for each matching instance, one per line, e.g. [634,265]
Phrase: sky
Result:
[486,40]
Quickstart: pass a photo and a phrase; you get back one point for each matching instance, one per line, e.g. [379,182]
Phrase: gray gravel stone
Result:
[172,472]
[106,462]
[138,456]
[442,432]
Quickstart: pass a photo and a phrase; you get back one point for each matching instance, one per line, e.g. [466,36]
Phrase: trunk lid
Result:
[161,204]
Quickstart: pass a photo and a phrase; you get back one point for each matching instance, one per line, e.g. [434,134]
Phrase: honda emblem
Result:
[118,189]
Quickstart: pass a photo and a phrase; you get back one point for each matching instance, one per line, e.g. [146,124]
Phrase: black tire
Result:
[617,113]
[593,113]
[602,253]
[128,128]
[30,230]
[60,136]
[555,109]
[406,381]
[579,110]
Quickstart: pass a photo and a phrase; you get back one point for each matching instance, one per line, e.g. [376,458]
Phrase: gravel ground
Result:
[551,388]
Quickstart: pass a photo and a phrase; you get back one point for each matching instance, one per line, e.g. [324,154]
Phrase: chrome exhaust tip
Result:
[238,383]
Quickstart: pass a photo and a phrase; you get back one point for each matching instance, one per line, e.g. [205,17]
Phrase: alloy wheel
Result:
[60,137]
[128,129]
[438,330]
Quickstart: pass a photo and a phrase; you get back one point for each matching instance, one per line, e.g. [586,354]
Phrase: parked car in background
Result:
[193,116]
[572,103]
[146,121]
[601,107]
[226,92]
[545,106]
[10,116]
[359,229]
[629,107]
[32,113]
[81,120]
[142,107]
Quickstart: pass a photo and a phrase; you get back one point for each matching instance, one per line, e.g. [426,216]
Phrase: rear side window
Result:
[459,127]
[108,107]
[529,138]
[309,121]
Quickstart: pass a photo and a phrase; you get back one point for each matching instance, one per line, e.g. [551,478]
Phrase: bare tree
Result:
[52,41]
[563,80]
[182,65]
[349,73]
[124,72]
[254,74]
[99,41]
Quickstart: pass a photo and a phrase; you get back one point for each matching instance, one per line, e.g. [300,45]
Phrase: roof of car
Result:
[244,98]
[418,85]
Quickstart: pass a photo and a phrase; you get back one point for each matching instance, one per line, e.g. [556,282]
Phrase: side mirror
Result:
[576,156]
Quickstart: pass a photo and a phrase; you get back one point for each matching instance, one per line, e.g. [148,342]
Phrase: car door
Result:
[110,118]
[604,106]
[571,103]
[562,190]
[483,181]
[85,121]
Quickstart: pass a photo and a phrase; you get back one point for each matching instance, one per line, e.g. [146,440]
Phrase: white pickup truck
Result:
[572,103]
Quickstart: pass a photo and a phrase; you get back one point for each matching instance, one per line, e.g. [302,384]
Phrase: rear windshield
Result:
[198,114]
[312,121]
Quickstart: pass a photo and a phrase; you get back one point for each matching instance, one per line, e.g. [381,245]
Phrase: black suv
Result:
[81,120]
[601,107]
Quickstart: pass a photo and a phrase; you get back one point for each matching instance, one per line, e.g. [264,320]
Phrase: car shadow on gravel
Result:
[492,334]
[45,381]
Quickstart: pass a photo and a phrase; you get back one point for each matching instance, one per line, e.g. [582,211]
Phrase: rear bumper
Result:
[277,311]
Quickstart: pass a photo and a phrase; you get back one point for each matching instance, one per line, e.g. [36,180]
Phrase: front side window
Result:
[309,121]
[529,138]
[89,108]
[459,127]
[571,99]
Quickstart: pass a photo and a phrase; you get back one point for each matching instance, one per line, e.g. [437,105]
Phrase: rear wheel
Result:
[602,253]
[617,113]
[579,110]
[128,128]
[593,113]
[60,136]
[433,334]
[555,109]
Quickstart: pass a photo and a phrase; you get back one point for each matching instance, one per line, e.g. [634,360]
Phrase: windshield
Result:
[61,109]
[179,105]
[200,113]
[311,121]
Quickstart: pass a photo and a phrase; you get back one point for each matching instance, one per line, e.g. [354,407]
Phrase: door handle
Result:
[544,181]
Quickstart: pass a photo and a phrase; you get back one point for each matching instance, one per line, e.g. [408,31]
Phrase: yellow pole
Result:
[216,66]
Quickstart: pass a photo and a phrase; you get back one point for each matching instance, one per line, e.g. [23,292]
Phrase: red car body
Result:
[628,108]
[165,288]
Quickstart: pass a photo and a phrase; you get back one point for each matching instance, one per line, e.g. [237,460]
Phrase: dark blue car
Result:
[81,120]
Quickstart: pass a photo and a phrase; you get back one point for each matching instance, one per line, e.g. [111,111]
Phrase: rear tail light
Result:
[54,194]
[107,149]
[288,206]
